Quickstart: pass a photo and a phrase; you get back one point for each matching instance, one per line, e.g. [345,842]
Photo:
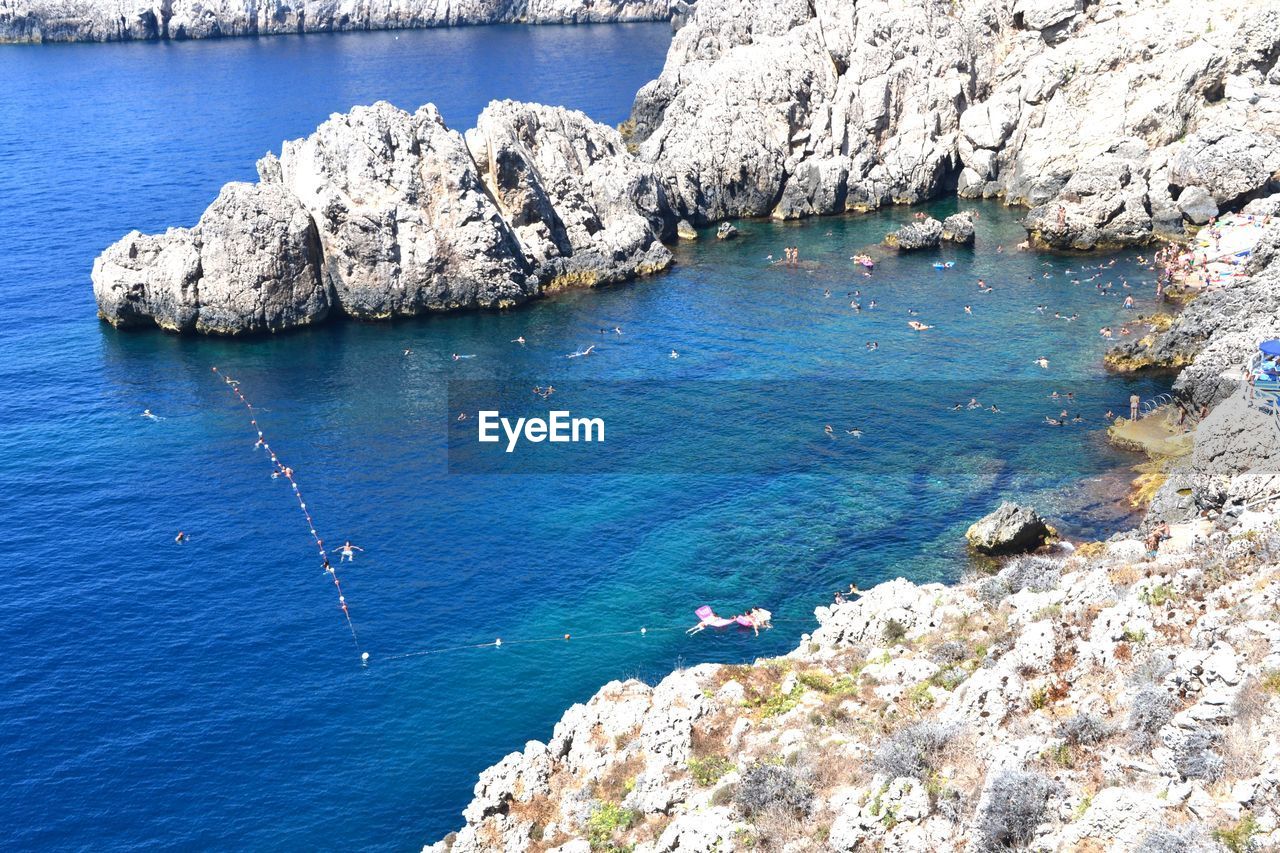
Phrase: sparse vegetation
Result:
[772,787]
[707,771]
[1152,707]
[914,752]
[894,632]
[1084,730]
[607,820]
[1016,806]
[1238,837]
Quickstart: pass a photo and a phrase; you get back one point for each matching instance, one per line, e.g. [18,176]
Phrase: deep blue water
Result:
[209,695]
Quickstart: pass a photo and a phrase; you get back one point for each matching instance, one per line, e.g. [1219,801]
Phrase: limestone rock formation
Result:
[1099,116]
[921,234]
[381,213]
[405,223]
[958,228]
[585,210]
[252,264]
[125,20]
[1009,529]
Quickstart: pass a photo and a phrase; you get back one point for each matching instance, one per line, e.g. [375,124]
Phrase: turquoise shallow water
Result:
[208,695]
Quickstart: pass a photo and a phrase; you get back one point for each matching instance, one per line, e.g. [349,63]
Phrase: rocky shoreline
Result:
[1105,696]
[1117,124]
[42,21]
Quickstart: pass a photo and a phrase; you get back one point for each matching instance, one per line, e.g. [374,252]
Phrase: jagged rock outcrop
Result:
[1097,116]
[125,20]
[585,211]
[1217,331]
[958,228]
[381,213]
[921,234]
[1009,529]
[251,264]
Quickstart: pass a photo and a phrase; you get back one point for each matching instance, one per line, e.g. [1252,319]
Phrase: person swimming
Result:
[146,413]
[348,551]
[674,354]
[1043,362]
[581,352]
[918,326]
[519,340]
[457,357]
[181,537]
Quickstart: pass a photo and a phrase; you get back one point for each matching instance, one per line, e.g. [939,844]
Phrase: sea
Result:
[210,694]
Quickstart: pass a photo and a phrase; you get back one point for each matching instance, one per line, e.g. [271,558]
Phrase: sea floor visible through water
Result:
[209,695]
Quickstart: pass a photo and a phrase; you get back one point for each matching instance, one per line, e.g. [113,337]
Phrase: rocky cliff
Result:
[1114,122]
[1111,121]
[125,20]
[1113,696]
[382,214]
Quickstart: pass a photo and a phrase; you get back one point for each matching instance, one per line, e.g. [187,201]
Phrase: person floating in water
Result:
[146,413]
[348,551]
[519,340]
[674,354]
[181,537]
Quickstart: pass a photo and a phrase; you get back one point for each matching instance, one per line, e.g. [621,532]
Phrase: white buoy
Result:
[364,658]
[644,630]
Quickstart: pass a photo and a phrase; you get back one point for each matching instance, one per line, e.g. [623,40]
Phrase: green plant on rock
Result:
[1158,595]
[707,771]
[1269,680]
[605,822]
[1134,636]
[1238,837]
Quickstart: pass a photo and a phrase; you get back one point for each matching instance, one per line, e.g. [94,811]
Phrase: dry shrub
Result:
[612,786]
[1125,574]
[710,735]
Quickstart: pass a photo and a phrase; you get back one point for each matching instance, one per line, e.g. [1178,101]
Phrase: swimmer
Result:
[968,309]
[519,340]
[146,413]
[674,354]
[408,352]
[1043,362]
[348,551]
[974,404]
[958,407]
[995,410]
[457,357]
[181,537]
[826,294]
[829,431]
[855,432]
[1052,422]
[462,416]
[581,352]
[918,326]
[617,330]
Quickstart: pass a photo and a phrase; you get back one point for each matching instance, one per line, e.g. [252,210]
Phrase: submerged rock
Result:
[1010,529]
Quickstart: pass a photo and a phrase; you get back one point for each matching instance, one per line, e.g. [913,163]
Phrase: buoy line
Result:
[282,470]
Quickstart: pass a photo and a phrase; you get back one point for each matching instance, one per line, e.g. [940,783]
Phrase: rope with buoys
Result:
[282,470]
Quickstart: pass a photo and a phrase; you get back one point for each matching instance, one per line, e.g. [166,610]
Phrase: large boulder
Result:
[958,228]
[252,264]
[921,234]
[1010,529]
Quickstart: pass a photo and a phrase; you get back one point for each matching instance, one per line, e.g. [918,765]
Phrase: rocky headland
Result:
[1115,696]
[27,21]
[1116,123]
